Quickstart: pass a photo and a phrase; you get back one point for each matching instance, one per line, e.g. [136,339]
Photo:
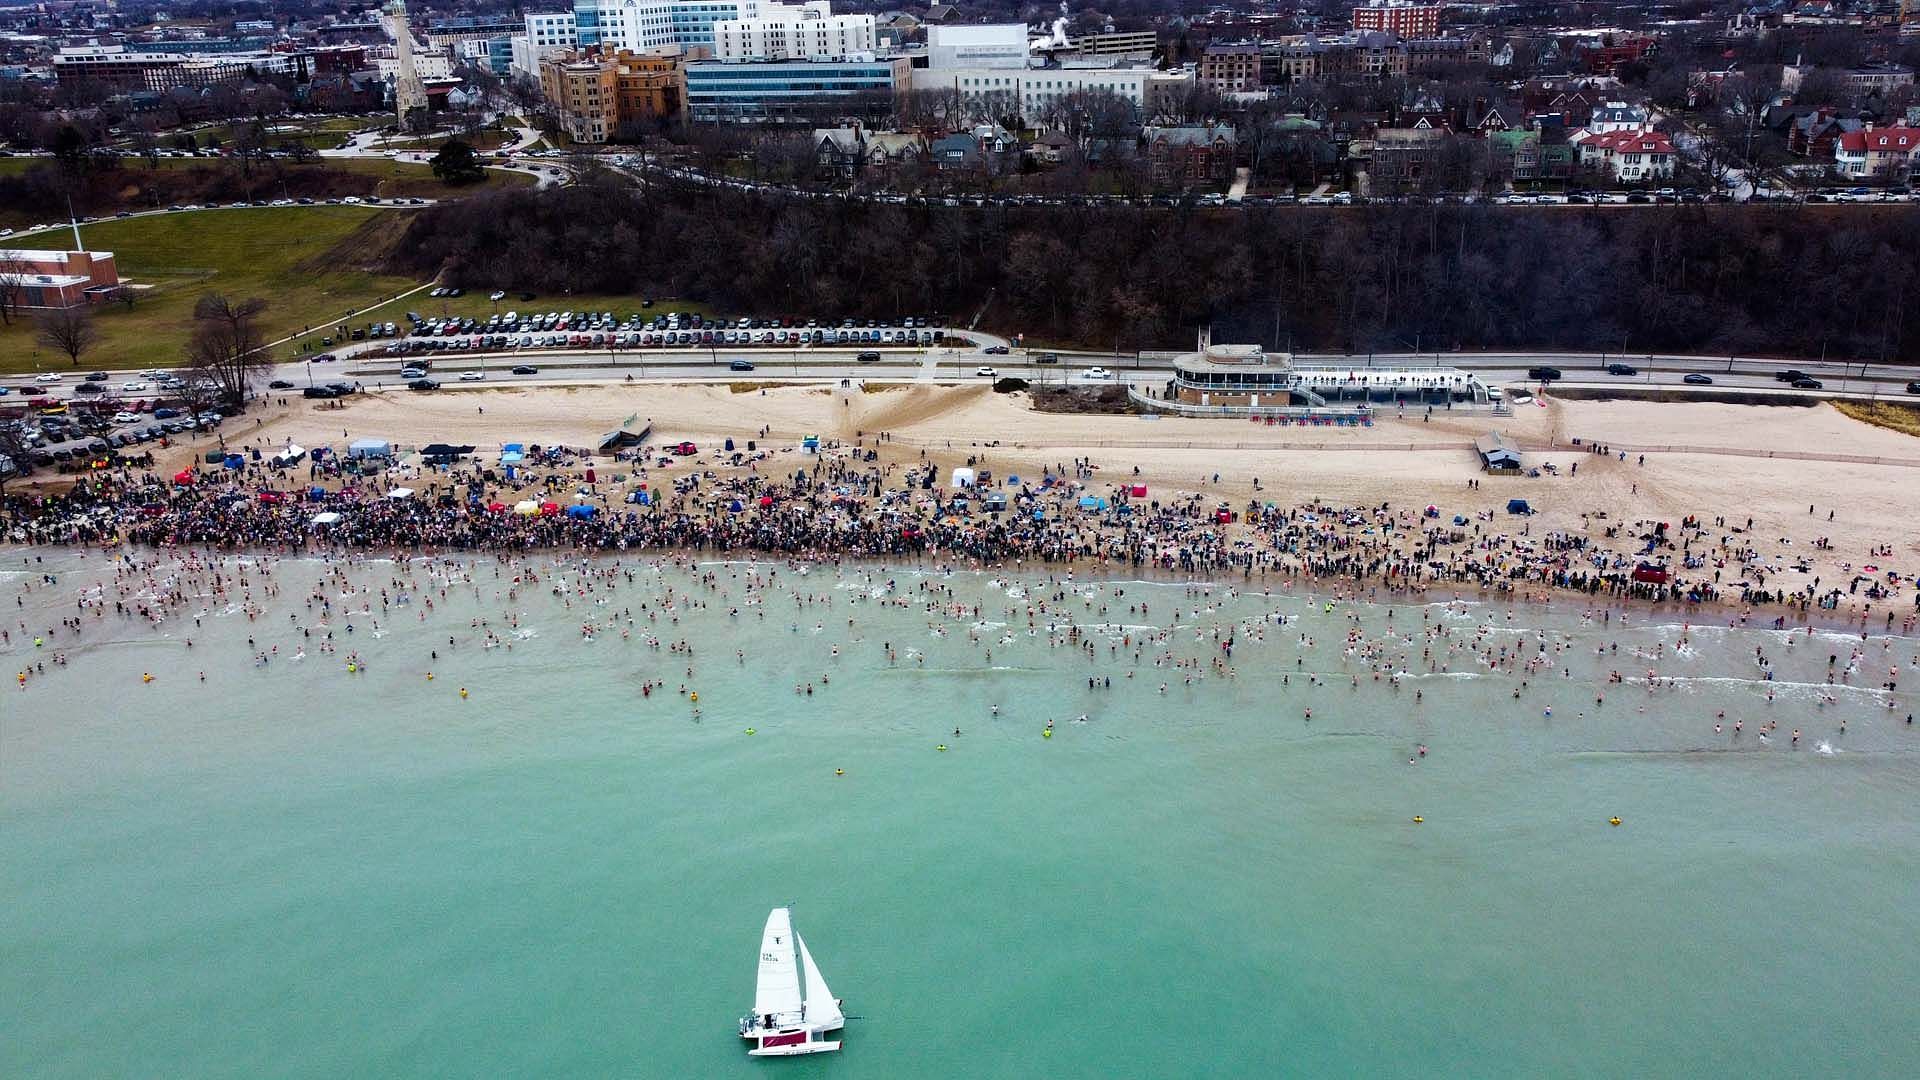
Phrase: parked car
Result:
[1543,374]
[995,350]
[868,358]
[279,384]
[165,414]
[685,449]
[1698,379]
[317,392]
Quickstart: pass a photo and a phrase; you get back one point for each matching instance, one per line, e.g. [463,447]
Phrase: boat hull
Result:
[795,1049]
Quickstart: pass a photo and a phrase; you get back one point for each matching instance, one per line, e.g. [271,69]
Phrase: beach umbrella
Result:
[400,493]
[327,518]
[184,478]
[549,509]
[496,508]
[766,501]
[526,507]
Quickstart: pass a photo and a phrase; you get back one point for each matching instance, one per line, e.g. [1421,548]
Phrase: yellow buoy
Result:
[463,692]
[1417,819]
[351,668]
[146,677]
[839,772]
[1613,821]
[429,676]
[749,731]
[942,748]
[695,696]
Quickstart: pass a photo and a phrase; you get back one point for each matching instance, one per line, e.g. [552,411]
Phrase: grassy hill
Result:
[310,263]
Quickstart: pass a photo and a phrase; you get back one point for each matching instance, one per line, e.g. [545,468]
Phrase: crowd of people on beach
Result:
[841,503]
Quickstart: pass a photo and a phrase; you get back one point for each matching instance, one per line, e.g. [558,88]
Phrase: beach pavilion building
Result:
[1247,377]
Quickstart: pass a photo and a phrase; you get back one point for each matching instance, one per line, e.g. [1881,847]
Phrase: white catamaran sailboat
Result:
[792,1007]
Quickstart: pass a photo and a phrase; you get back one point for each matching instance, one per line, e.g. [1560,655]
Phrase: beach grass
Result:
[1904,419]
[310,263]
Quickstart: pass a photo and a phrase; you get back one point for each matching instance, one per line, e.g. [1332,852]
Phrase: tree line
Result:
[1735,279]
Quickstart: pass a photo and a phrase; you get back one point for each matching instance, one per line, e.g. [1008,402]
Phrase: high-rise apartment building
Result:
[1406,19]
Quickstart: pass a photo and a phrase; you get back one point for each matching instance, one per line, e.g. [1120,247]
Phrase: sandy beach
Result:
[1405,461]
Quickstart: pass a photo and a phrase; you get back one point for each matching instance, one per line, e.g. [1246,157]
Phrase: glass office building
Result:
[792,91]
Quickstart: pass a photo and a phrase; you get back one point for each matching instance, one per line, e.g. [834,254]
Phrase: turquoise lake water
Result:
[288,870]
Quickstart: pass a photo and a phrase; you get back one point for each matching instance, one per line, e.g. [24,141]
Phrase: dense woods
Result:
[1753,280]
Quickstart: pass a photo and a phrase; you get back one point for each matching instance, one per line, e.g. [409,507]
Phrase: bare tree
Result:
[14,448]
[13,286]
[69,330]
[226,348]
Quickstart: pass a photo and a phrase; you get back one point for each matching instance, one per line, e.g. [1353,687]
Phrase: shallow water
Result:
[289,870]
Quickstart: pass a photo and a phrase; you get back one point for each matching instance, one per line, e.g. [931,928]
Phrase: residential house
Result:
[1051,148]
[1486,119]
[1876,152]
[1813,134]
[1616,116]
[1629,156]
[1420,109]
[1399,159]
[1528,156]
[855,151]
[1188,155]
[987,147]
[1606,55]
[1572,98]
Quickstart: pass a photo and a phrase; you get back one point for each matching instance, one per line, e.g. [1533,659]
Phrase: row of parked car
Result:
[601,330]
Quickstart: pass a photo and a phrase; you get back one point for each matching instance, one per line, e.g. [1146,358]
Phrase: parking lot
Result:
[421,336]
[98,415]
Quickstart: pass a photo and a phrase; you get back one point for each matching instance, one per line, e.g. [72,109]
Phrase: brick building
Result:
[1406,20]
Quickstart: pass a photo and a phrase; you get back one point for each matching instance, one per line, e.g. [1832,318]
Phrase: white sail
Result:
[778,990]
[823,1011]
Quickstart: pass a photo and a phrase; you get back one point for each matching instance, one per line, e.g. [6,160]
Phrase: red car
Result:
[686,448]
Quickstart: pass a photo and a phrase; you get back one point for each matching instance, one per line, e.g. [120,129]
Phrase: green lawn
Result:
[308,262]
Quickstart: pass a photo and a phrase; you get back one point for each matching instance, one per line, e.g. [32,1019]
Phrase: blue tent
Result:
[236,461]
[582,511]
[1518,506]
[1090,502]
[735,506]
[316,493]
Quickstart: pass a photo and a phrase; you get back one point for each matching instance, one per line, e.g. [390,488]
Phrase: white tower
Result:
[408,94]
